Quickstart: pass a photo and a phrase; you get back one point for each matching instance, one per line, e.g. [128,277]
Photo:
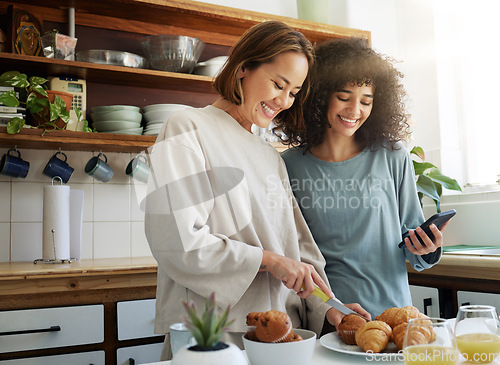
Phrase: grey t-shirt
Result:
[357,211]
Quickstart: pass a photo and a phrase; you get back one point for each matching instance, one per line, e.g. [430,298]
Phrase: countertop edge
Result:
[85,267]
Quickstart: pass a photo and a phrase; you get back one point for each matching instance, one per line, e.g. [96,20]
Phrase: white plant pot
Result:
[231,355]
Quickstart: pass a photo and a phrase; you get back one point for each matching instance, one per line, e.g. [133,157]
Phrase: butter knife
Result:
[334,303]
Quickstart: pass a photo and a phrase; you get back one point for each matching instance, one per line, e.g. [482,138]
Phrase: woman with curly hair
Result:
[353,178]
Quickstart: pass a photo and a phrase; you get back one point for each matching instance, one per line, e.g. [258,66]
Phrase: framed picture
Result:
[25,32]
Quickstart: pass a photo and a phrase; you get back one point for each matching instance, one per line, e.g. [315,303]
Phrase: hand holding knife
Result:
[334,303]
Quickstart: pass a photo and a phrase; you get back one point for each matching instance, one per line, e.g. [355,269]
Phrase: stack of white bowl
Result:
[119,119]
[156,114]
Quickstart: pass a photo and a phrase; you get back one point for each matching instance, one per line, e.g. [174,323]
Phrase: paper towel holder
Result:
[54,261]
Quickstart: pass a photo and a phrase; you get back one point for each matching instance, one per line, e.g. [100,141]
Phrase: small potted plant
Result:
[47,107]
[430,180]
[207,330]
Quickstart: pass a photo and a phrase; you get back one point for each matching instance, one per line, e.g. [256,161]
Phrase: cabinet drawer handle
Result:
[23,332]
[427,304]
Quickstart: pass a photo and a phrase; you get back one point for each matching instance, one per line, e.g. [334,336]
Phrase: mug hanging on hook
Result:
[14,166]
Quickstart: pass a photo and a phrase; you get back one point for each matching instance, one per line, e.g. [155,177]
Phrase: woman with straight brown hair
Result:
[220,214]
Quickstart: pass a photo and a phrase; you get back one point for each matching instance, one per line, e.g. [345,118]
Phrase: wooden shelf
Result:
[106,74]
[211,23]
[75,141]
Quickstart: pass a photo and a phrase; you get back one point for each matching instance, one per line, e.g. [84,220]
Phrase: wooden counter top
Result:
[464,266]
[115,266]
[27,278]
[82,278]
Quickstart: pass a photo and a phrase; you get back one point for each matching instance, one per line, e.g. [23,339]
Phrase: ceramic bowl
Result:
[125,115]
[164,107]
[211,67]
[157,115]
[113,125]
[110,108]
[289,353]
[135,131]
[154,122]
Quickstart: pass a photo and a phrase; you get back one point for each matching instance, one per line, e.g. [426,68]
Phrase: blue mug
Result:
[99,169]
[138,169]
[14,166]
[57,167]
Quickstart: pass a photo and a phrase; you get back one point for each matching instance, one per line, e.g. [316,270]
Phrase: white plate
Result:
[333,342]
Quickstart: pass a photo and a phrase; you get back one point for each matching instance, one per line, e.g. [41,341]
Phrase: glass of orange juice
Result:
[430,341]
[477,333]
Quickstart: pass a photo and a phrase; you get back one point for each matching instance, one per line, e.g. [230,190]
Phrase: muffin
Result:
[274,326]
[348,326]
[252,319]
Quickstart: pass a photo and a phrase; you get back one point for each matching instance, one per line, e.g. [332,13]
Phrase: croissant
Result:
[388,316]
[420,335]
[373,336]
[398,335]
[395,316]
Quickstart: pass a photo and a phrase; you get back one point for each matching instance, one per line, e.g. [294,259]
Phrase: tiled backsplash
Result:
[113,224]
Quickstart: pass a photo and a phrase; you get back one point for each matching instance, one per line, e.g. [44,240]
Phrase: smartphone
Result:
[438,219]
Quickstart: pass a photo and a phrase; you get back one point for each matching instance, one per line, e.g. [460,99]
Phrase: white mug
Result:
[180,337]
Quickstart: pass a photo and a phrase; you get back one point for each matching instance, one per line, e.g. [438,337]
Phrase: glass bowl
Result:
[172,52]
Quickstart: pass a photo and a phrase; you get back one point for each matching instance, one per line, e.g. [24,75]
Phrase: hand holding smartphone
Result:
[438,219]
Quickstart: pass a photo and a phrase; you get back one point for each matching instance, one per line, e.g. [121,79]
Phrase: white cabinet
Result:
[31,329]
[470,297]
[135,355]
[83,358]
[135,319]
[426,299]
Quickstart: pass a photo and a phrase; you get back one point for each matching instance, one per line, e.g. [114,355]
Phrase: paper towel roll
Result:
[75,223]
[56,218]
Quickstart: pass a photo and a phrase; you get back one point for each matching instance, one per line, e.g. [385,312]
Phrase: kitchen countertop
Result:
[464,266]
[467,266]
[27,277]
[29,270]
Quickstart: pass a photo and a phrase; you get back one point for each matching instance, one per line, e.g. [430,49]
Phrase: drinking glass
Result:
[477,333]
[430,341]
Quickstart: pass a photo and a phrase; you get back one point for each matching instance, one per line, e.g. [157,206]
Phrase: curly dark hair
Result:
[338,63]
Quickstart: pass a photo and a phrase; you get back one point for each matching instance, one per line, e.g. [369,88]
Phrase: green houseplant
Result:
[430,180]
[207,330]
[34,96]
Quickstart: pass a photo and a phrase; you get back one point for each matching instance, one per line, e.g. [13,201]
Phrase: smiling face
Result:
[349,108]
[270,89]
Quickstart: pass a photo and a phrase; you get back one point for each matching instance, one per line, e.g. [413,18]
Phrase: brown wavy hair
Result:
[259,45]
[340,62]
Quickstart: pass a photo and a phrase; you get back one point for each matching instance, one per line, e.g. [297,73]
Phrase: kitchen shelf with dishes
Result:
[120,24]
[107,74]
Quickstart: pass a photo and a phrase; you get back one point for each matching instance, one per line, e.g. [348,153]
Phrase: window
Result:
[467,36]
